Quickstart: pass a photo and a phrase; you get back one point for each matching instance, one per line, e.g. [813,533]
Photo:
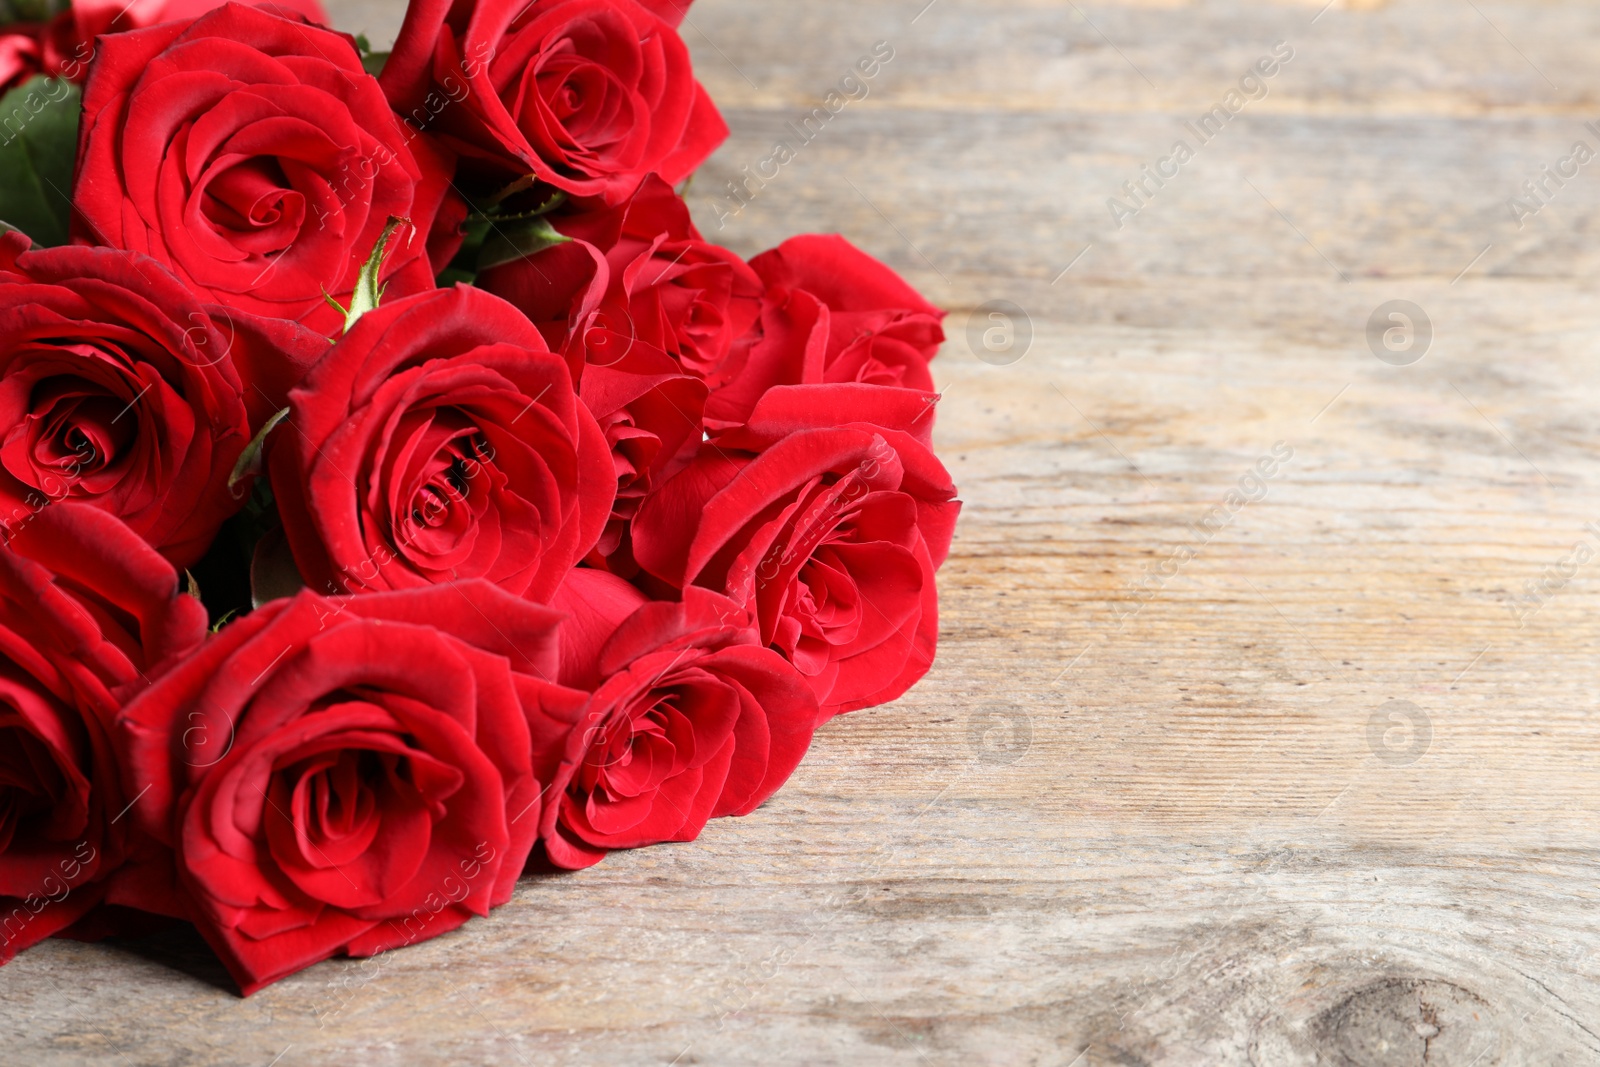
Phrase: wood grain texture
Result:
[1140,813]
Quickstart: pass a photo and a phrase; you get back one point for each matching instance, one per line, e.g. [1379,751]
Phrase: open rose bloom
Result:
[399,495]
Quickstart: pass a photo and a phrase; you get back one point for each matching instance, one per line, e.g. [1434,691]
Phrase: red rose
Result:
[64,47]
[344,775]
[651,416]
[587,95]
[116,388]
[642,307]
[830,533]
[659,282]
[439,440]
[55,48]
[689,720]
[595,603]
[19,54]
[831,314]
[87,612]
[253,155]
[94,18]
[560,290]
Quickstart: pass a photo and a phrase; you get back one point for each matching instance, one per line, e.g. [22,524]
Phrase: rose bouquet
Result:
[398,492]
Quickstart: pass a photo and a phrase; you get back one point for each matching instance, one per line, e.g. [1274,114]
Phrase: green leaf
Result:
[545,208]
[521,185]
[455,276]
[38,143]
[372,62]
[30,10]
[368,291]
[506,244]
[251,460]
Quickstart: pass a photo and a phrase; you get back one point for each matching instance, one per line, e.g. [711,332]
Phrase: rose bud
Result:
[88,612]
[440,440]
[826,515]
[344,775]
[831,314]
[117,388]
[689,720]
[253,155]
[586,95]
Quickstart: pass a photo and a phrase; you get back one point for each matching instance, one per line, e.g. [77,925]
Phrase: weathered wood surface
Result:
[1112,826]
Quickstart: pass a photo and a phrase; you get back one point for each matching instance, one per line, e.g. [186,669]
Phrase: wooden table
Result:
[1305,775]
